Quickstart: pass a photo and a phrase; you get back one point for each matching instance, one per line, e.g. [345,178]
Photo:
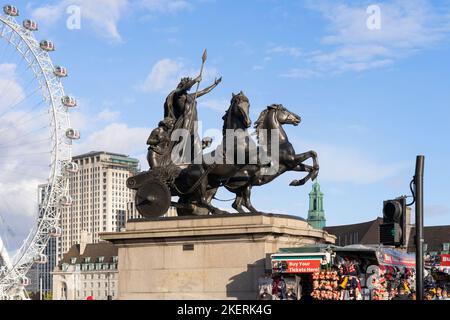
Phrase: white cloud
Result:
[290,51]
[24,159]
[163,76]
[8,81]
[166,74]
[214,104]
[348,164]
[407,27]
[102,15]
[166,6]
[108,115]
[300,73]
[116,137]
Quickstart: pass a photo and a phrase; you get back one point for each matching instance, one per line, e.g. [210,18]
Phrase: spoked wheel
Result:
[153,199]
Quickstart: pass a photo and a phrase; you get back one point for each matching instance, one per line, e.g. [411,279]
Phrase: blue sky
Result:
[371,100]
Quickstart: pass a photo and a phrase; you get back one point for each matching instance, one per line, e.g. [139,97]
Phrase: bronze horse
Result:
[272,118]
[196,185]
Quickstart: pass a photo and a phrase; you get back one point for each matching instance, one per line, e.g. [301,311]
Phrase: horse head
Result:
[284,116]
[276,115]
[238,115]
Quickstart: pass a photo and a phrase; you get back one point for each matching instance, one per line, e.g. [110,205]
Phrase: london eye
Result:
[35,149]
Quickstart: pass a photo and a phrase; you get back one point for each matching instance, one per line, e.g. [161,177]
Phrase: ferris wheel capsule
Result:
[55,232]
[24,281]
[71,167]
[41,259]
[30,25]
[73,134]
[60,72]
[47,45]
[11,10]
[69,101]
[3,270]
[65,201]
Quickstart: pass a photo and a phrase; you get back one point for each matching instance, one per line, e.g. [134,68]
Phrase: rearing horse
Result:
[271,121]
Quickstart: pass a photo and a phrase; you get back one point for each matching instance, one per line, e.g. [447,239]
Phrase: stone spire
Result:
[316,214]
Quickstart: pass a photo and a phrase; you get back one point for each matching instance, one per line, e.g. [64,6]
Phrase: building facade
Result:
[100,197]
[40,274]
[87,270]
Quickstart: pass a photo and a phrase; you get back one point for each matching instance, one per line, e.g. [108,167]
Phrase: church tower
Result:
[316,214]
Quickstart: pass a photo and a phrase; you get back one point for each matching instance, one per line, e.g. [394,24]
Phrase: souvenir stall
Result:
[341,273]
[374,273]
[438,266]
[292,271]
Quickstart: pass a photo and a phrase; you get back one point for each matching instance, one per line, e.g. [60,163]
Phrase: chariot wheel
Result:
[153,199]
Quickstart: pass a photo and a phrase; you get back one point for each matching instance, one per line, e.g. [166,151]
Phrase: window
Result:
[446,246]
[73,260]
[101,259]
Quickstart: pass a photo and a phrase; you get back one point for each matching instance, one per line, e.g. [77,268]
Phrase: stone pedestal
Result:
[213,257]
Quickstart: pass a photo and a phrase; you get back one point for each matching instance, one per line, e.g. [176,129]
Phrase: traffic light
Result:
[393,228]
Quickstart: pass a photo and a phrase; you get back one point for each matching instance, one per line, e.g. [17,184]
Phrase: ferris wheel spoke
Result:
[25,174]
[29,164]
[6,87]
[16,104]
[28,143]
[23,154]
[30,133]
[20,124]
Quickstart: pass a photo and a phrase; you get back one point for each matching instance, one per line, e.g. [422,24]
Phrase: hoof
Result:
[295,183]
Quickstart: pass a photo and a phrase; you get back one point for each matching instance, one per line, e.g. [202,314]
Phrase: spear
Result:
[204,57]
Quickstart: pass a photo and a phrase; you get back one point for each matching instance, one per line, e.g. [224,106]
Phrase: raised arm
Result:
[210,88]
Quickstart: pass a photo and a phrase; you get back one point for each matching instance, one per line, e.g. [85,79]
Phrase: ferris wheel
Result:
[35,150]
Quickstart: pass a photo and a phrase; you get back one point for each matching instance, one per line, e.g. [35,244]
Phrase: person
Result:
[181,106]
[401,294]
[158,142]
[445,295]
[438,295]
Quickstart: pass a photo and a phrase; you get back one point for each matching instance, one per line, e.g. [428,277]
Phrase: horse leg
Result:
[247,199]
[313,170]
[205,197]
[237,204]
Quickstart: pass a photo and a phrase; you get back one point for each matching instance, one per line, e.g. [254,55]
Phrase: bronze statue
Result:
[181,106]
[238,163]
[159,142]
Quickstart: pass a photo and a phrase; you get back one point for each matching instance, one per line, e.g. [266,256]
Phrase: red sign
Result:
[445,260]
[303,266]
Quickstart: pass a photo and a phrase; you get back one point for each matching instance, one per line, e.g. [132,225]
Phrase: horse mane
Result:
[259,124]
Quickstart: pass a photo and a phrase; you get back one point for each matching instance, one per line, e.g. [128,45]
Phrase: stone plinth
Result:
[214,257]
